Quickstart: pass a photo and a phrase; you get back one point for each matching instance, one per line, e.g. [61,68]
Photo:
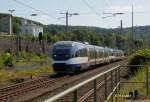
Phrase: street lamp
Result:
[67,15]
[112,14]
[10,27]
[33,15]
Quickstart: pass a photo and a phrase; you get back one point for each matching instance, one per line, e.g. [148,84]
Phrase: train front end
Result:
[62,55]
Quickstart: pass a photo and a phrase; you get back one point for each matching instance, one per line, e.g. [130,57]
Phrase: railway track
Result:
[8,93]
[12,87]
[14,90]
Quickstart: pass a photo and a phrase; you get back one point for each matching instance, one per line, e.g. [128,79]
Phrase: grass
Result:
[1,62]
[6,77]
[139,77]
[35,61]
[24,59]
[28,58]
[16,76]
[141,87]
[35,72]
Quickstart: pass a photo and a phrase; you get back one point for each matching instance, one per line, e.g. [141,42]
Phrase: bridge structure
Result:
[104,87]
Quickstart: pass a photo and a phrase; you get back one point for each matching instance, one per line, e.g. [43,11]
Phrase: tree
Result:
[110,40]
[16,24]
[120,42]
[53,32]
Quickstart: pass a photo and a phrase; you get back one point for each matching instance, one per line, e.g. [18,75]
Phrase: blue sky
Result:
[91,11]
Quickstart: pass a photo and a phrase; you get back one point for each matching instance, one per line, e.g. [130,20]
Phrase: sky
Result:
[91,12]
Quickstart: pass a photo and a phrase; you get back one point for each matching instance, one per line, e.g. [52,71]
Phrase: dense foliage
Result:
[140,57]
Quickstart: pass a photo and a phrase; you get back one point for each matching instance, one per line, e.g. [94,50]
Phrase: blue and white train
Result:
[71,56]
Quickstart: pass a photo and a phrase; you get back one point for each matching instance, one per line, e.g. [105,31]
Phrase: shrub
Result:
[140,57]
[8,60]
[24,55]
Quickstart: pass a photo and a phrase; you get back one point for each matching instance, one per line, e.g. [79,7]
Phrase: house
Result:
[30,28]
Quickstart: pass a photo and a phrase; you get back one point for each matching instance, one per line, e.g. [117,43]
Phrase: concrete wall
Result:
[5,43]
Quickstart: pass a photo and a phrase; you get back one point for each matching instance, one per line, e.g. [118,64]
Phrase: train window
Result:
[85,50]
[92,53]
[81,53]
[61,51]
[101,54]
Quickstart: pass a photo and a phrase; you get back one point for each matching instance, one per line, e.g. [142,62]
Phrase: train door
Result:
[88,56]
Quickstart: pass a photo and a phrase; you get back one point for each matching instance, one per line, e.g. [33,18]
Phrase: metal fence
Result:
[105,84]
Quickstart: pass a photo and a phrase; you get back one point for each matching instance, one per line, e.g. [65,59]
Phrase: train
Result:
[71,56]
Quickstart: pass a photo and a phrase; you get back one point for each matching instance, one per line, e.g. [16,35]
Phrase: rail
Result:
[114,77]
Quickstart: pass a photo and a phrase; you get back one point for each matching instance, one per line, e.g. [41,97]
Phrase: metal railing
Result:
[113,75]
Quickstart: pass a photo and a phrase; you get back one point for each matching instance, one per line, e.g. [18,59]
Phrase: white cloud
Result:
[127,8]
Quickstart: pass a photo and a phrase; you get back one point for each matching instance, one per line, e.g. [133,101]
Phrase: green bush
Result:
[23,55]
[8,59]
[1,61]
[26,56]
[140,57]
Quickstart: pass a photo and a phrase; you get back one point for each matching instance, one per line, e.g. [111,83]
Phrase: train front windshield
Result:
[61,52]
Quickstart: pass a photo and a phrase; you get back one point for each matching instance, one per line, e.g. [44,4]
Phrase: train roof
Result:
[66,43]
[71,43]
[78,43]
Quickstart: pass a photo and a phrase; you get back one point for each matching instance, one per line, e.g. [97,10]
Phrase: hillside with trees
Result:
[114,38]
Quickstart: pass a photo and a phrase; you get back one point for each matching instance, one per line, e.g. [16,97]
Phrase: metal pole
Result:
[147,81]
[132,32]
[119,77]
[116,81]
[112,85]
[67,15]
[95,91]
[115,77]
[105,79]
[11,28]
[11,33]
[17,43]
[121,25]
[75,96]
[67,23]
